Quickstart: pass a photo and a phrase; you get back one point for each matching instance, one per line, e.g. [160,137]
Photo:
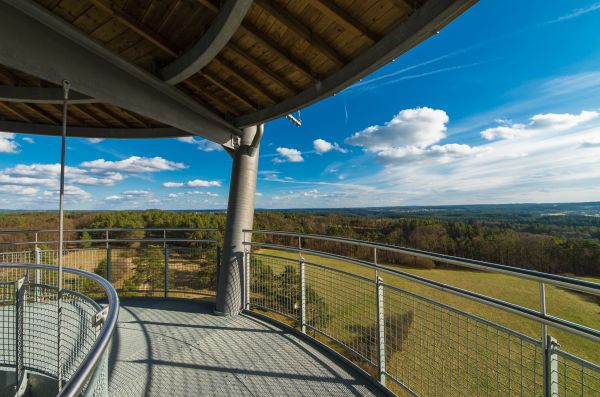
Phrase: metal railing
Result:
[365,301]
[68,345]
[164,262]
[179,262]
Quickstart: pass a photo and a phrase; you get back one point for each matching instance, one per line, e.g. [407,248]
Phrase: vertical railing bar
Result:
[166,252]
[380,329]
[544,336]
[551,385]
[38,273]
[108,262]
[302,295]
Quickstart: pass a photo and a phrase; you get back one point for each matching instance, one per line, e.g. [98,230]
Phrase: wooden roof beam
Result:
[210,44]
[228,89]
[14,112]
[247,81]
[302,31]
[200,91]
[263,67]
[134,25]
[343,18]
[258,36]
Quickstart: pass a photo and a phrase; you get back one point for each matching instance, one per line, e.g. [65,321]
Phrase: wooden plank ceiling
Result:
[282,48]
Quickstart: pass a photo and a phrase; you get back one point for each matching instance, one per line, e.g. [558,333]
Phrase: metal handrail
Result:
[108,229]
[587,287]
[79,378]
[115,240]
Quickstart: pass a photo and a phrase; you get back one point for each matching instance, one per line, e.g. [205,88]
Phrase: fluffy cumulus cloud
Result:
[412,135]
[287,155]
[322,146]
[48,174]
[135,165]
[539,123]
[7,143]
[419,127]
[202,144]
[192,183]
[39,183]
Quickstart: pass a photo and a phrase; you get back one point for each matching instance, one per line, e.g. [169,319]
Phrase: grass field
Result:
[427,333]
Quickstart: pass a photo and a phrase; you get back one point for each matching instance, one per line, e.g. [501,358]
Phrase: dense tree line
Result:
[517,244]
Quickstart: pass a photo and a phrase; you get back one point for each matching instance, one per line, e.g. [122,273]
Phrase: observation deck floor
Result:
[179,348]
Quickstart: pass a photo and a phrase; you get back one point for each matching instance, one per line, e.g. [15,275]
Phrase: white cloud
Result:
[412,136]
[419,128]
[539,123]
[288,155]
[95,140]
[48,175]
[28,140]
[73,194]
[202,183]
[173,184]
[135,165]
[203,144]
[193,183]
[440,153]
[322,146]
[137,193]
[18,190]
[113,198]
[7,143]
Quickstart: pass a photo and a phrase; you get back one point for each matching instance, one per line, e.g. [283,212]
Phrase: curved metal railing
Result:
[363,300]
[75,340]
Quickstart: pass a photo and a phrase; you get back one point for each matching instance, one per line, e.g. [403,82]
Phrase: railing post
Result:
[380,330]
[38,273]
[217,266]
[166,249]
[20,300]
[106,239]
[302,295]
[551,368]
[108,262]
[246,277]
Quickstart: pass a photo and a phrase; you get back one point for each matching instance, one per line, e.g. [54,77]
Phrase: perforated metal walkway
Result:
[178,348]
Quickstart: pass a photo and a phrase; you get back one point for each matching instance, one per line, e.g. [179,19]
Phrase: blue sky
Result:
[501,106]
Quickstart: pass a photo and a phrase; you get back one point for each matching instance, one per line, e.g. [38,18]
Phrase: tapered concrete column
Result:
[240,216]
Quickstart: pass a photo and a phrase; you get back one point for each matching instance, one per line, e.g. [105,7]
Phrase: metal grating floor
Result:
[178,348]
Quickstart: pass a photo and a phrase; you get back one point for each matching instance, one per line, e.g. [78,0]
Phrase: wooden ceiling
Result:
[281,49]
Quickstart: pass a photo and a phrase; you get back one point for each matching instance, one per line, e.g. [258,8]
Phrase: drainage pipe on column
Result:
[240,216]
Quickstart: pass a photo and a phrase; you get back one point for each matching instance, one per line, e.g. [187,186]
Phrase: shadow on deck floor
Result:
[177,348]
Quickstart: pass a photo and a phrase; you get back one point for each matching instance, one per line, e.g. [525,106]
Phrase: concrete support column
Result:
[240,216]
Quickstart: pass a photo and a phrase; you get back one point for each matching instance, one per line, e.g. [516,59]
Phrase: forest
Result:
[566,241]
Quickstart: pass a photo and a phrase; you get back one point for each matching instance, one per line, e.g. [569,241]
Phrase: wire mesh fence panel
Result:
[138,271]
[434,350]
[7,323]
[40,329]
[574,377]
[193,271]
[17,257]
[343,307]
[77,331]
[275,285]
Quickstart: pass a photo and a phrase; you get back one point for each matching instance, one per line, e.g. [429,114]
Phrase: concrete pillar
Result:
[240,216]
